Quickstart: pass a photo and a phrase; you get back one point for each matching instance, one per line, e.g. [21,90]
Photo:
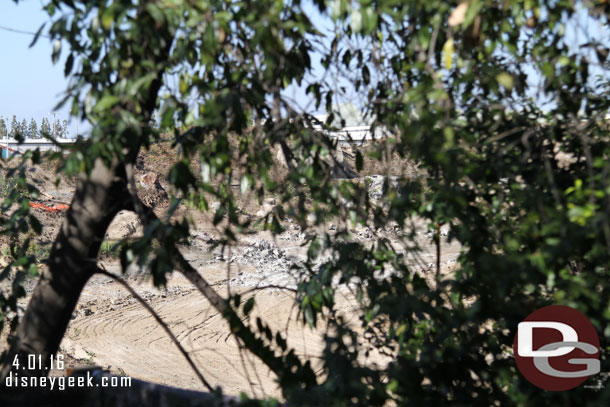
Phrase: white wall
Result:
[32,144]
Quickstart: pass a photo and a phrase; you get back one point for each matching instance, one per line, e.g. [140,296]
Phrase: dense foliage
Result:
[502,105]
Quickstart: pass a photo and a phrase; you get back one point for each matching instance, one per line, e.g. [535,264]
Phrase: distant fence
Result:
[355,134]
[347,135]
[11,147]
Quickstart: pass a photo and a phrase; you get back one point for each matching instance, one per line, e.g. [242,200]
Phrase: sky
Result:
[30,85]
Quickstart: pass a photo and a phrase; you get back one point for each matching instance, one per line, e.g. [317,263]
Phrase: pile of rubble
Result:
[375,185]
[272,265]
[152,193]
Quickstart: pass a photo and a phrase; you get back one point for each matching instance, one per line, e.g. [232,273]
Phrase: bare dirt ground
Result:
[111,329]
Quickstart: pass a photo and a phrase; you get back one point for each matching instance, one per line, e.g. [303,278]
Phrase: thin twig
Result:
[275,363]
[243,364]
[253,367]
[133,190]
[229,271]
[268,287]
[160,322]
[14,30]
[438,255]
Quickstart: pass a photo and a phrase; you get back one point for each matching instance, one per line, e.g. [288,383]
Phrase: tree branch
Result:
[276,364]
[163,325]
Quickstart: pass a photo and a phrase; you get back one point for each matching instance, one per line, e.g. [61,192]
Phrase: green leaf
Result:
[359,161]
[183,85]
[35,223]
[32,270]
[506,80]
[474,7]
[245,184]
[107,18]
[56,50]
[69,64]
[369,20]
[448,50]
[310,317]
[366,75]
[356,20]
[106,103]
[156,13]
[248,306]
[37,35]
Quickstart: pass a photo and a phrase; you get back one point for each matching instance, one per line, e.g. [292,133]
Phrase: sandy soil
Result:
[125,336]
[115,332]
[111,329]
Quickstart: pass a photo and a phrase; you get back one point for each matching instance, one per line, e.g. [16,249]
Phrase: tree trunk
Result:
[72,261]
[98,198]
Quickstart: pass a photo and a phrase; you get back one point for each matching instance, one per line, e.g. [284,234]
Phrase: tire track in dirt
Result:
[130,339]
[122,334]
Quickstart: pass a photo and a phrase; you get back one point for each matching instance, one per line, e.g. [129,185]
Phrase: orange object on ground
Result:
[57,208]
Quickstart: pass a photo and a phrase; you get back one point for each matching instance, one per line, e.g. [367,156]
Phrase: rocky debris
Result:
[169,291]
[363,232]
[152,193]
[120,300]
[272,265]
[4,261]
[292,236]
[311,218]
[215,206]
[202,237]
[76,351]
[342,170]
[292,233]
[269,206]
[150,180]
[262,253]
[375,185]
[378,186]
[280,157]
[125,224]
[85,309]
[445,230]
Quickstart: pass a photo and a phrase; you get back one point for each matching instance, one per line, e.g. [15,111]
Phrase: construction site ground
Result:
[111,329]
